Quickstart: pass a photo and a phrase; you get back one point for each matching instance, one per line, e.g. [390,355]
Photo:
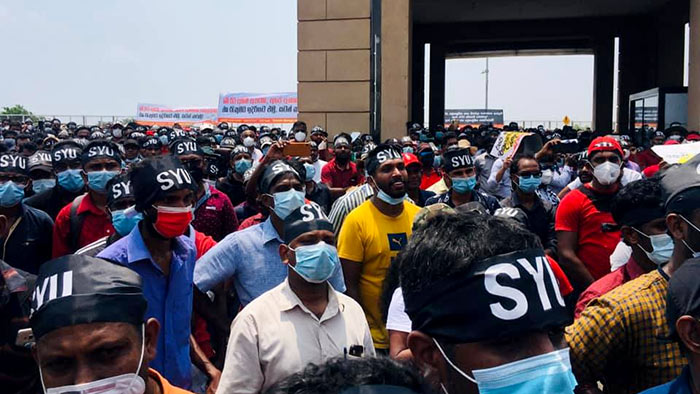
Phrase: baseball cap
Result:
[680,186]
[410,158]
[605,144]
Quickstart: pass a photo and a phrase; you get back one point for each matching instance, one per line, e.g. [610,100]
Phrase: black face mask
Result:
[342,157]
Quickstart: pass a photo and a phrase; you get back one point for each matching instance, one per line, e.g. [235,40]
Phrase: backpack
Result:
[76,222]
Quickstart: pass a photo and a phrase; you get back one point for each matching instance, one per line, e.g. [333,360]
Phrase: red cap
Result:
[410,158]
[604,144]
[672,142]
[693,136]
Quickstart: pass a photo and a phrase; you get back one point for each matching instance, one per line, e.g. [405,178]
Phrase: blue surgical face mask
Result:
[286,202]
[310,171]
[71,180]
[384,196]
[163,139]
[529,184]
[124,222]
[97,180]
[661,247]
[10,194]
[546,373]
[316,263]
[437,161]
[464,185]
[218,138]
[243,165]
[407,149]
[39,185]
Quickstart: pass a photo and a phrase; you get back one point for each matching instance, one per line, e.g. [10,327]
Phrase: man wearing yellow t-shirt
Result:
[374,233]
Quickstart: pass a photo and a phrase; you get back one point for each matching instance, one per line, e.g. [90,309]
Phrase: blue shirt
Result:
[169,300]
[680,385]
[251,257]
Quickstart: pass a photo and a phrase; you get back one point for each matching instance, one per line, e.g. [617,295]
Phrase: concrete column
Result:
[396,59]
[694,68]
[418,81]
[603,81]
[437,85]
[333,64]
[634,74]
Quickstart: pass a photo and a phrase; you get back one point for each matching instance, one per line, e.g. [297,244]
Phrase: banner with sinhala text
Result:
[258,107]
[156,114]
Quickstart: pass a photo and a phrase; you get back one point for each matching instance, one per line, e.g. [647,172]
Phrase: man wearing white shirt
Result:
[301,321]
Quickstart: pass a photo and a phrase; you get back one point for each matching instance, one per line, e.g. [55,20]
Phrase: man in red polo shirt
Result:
[340,173]
[85,220]
[584,248]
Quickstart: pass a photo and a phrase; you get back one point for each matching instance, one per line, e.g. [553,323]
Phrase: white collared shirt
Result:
[276,336]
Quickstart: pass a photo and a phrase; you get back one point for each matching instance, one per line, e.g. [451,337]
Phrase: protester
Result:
[414,171]
[638,210]
[353,375]
[131,151]
[66,165]
[25,236]
[460,178]
[85,220]
[232,184]
[584,248]
[248,138]
[353,198]
[619,336]
[160,252]
[526,177]
[265,345]
[430,174]
[682,313]
[41,172]
[315,191]
[647,157]
[374,233]
[251,256]
[92,331]
[213,211]
[340,173]
[120,203]
[502,347]
[151,147]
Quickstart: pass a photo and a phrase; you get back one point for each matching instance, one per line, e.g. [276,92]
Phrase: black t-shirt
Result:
[321,196]
[52,200]
[233,188]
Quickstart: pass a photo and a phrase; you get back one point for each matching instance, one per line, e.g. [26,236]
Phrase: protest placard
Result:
[258,107]
[673,154]
[163,115]
[474,117]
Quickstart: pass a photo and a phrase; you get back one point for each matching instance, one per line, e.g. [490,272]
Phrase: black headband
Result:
[457,159]
[101,150]
[379,155]
[78,289]
[272,172]
[498,297]
[13,163]
[185,146]
[156,177]
[305,219]
[65,153]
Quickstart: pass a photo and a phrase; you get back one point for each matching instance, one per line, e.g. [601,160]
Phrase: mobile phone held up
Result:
[297,149]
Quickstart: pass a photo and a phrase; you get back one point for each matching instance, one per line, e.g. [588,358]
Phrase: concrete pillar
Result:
[437,85]
[603,81]
[333,64]
[694,67]
[634,74]
[418,81]
[396,59]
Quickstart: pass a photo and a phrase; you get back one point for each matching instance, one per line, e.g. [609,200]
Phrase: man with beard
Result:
[340,173]
[213,211]
[374,233]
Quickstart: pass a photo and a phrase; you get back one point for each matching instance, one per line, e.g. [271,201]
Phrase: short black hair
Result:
[515,164]
[339,374]
[447,244]
[644,193]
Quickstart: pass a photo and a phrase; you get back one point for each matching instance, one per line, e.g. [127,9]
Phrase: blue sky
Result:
[102,57]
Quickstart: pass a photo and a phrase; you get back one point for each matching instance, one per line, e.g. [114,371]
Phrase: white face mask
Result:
[248,142]
[607,173]
[300,136]
[547,176]
[129,383]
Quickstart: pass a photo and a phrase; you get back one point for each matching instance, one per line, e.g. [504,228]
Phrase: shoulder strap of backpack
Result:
[76,222]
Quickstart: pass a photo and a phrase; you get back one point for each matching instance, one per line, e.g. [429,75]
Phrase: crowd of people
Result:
[218,259]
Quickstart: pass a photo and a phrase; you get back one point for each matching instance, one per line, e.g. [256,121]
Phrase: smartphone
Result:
[299,149]
[25,337]
[566,146]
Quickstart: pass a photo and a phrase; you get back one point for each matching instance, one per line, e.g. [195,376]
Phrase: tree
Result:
[18,110]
